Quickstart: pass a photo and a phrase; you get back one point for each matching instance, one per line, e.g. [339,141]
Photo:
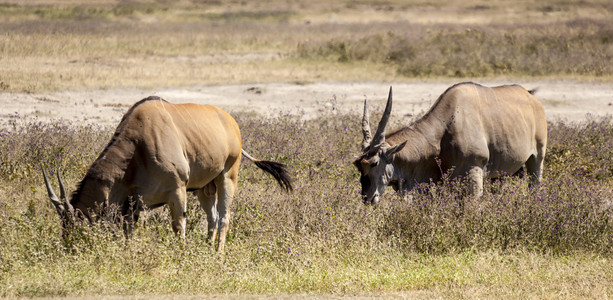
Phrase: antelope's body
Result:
[158,152]
[471,130]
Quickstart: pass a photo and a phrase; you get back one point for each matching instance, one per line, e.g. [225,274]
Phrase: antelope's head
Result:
[376,161]
[88,201]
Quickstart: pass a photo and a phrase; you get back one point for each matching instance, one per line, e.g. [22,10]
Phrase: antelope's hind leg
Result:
[226,187]
[208,201]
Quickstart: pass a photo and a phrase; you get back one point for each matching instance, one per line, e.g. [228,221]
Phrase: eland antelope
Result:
[471,130]
[158,152]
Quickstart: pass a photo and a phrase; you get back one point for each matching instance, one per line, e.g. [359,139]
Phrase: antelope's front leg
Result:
[130,211]
[178,207]
[475,176]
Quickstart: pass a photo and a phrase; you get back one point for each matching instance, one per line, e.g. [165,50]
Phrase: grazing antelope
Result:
[471,130]
[158,152]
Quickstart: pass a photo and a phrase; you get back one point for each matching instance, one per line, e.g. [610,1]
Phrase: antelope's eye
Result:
[374,164]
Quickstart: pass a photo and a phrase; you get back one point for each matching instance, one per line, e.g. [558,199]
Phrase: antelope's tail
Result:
[277,170]
[533,91]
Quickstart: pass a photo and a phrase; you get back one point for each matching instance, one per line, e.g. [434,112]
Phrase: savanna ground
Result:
[294,75]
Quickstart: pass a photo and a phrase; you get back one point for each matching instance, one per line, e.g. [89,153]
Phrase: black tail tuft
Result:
[278,171]
[533,91]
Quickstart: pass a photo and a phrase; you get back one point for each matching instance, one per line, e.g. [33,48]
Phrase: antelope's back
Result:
[505,123]
[204,135]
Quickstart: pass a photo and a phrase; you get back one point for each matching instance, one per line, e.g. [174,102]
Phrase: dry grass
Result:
[555,242]
[54,45]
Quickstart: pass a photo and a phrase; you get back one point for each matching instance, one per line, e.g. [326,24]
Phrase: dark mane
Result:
[77,193]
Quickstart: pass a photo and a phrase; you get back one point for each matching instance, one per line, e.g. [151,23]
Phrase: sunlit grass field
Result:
[321,239]
[514,242]
[58,45]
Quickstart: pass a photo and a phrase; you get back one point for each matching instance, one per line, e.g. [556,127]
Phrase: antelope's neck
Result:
[417,162]
[104,182]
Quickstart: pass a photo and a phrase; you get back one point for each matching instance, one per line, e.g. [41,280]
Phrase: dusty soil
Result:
[563,100]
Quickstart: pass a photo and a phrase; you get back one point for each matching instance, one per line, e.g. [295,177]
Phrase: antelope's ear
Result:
[389,153]
[397,148]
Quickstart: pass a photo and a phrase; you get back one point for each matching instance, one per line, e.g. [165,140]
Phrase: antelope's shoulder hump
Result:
[142,105]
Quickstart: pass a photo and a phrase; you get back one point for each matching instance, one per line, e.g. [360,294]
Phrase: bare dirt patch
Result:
[563,100]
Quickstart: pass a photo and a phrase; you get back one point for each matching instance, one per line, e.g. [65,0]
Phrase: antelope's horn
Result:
[366,127]
[63,194]
[380,134]
[56,202]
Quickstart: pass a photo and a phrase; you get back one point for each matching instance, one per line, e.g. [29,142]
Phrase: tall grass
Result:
[578,47]
[320,239]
